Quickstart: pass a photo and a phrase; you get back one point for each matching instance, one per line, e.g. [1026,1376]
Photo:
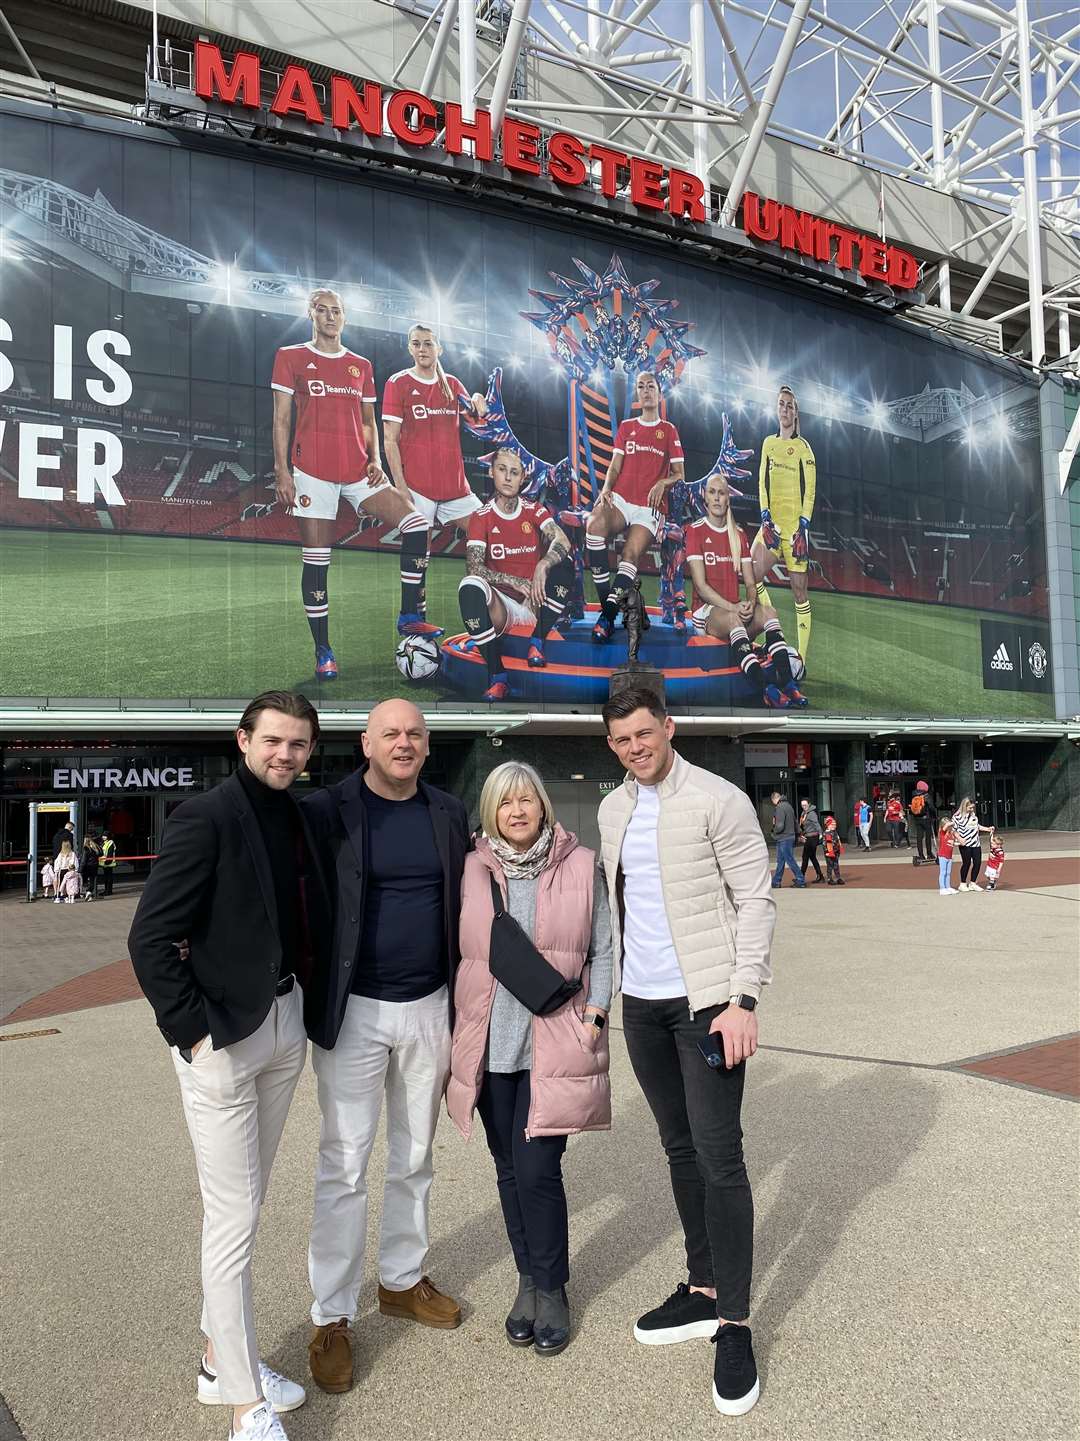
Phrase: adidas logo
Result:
[311,365]
[1001,659]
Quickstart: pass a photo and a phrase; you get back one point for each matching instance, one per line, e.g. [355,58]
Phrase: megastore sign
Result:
[525,151]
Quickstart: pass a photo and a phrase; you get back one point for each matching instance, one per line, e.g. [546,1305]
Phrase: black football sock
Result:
[742,653]
[474,598]
[597,555]
[624,581]
[414,558]
[314,588]
[557,585]
[776,645]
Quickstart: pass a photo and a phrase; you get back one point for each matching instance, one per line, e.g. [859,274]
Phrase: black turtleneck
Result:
[280,828]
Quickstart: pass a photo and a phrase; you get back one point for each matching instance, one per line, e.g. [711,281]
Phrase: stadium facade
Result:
[174,188]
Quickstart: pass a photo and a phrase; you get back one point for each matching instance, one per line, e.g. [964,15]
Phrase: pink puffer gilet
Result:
[569,1081]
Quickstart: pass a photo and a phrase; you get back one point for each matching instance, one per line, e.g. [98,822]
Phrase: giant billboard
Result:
[267,425]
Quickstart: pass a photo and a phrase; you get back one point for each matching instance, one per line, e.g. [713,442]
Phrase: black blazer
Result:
[212,885]
[338,821]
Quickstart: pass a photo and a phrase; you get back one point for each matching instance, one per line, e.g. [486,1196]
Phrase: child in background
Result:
[834,849]
[48,879]
[995,860]
[945,841]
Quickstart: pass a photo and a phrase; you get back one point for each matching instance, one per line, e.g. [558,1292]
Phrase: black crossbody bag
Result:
[516,964]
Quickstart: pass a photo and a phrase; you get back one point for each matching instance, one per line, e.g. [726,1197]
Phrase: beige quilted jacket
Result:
[714,867]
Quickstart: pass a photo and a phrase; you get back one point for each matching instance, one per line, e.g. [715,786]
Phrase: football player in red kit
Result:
[718,556]
[422,410]
[334,452]
[646,463]
[519,572]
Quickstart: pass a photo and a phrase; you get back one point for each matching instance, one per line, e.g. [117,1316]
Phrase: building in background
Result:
[175,184]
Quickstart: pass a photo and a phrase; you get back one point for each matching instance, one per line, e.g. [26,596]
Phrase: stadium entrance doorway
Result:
[995,798]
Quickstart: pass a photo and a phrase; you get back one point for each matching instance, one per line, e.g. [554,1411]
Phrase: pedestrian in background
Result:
[783,829]
[969,833]
[108,861]
[995,860]
[66,872]
[894,820]
[88,866]
[48,879]
[945,843]
[924,814]
[65,833]
[865,821]
[810,830]
[834,849]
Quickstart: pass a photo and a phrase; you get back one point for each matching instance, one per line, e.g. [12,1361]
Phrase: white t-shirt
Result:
[650,965]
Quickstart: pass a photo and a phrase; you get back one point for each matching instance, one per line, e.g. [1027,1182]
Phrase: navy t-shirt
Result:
[402,954]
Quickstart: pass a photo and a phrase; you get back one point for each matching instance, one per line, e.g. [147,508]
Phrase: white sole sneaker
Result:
[740,1405]
[282,1394]
[672,1335]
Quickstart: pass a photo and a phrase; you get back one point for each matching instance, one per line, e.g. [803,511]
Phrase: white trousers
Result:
[864,831]
[400,1050]
[235,1104]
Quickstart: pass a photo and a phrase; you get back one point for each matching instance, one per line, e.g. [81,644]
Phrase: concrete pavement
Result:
[917,1239]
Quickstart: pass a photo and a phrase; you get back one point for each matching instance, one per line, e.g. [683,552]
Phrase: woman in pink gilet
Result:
[534,1079]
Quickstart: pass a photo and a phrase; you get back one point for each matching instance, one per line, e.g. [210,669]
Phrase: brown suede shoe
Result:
[330,1357]
[422,1302]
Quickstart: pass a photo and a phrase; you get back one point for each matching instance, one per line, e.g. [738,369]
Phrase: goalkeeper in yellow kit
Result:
[787,484]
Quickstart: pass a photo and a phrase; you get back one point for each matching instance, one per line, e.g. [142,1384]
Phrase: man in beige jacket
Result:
[692,918]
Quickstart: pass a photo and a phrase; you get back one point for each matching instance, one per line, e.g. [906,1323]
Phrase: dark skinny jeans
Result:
[529,1175]
[970,862]
[697,1114]
[809,855]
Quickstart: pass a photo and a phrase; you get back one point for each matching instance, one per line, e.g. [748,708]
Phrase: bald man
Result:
[393,849]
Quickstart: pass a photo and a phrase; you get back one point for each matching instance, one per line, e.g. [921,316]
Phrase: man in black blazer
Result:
[237,877]
[393,849]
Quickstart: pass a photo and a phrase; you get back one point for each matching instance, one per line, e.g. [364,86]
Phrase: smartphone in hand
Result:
[712,1050]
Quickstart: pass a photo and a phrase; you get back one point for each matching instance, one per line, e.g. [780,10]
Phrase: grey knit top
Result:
[509,1045]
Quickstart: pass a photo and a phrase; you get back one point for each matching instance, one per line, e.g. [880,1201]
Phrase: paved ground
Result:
[917,1238]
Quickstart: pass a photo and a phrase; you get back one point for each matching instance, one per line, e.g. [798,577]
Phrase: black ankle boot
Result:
[552,1328]
[519,1323]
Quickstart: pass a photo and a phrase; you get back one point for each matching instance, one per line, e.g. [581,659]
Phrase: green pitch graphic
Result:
[147,618]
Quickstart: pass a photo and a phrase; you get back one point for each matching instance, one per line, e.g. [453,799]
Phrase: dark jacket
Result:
[212,885]
[810,825]
[338,821]
[62,835]
[783,825]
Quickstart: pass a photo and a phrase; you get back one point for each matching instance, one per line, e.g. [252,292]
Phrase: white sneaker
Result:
[278,1391]
[262,1424]
[974,886]
[945,891]
[962,886]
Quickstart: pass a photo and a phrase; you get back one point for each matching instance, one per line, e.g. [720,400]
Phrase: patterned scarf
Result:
[522,865]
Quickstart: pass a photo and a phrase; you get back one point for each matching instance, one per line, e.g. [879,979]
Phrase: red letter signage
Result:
[240,86]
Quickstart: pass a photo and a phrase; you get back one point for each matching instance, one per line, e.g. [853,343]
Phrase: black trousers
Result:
[924,835]
[529,1175]
[809,855]
[697,1114]
[970,863]
[107,871]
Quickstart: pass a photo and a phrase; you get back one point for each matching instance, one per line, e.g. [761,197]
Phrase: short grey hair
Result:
[508,779]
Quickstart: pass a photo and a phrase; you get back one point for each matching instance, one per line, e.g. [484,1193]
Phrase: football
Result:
[417,657]
[798,666]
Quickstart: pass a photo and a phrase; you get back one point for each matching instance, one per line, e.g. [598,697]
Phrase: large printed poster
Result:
[261,427]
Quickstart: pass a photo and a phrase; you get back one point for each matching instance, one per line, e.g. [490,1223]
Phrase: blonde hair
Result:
[787,390]
[444,384]
[734,543]
[509,779]
[966,806]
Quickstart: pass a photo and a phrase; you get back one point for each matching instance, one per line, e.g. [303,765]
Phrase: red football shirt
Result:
[513,543]
[648,452]
[328,392]
[705,543]
[430,437]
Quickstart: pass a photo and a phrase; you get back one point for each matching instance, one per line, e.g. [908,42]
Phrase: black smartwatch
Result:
[598,1021]
[744,1002]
